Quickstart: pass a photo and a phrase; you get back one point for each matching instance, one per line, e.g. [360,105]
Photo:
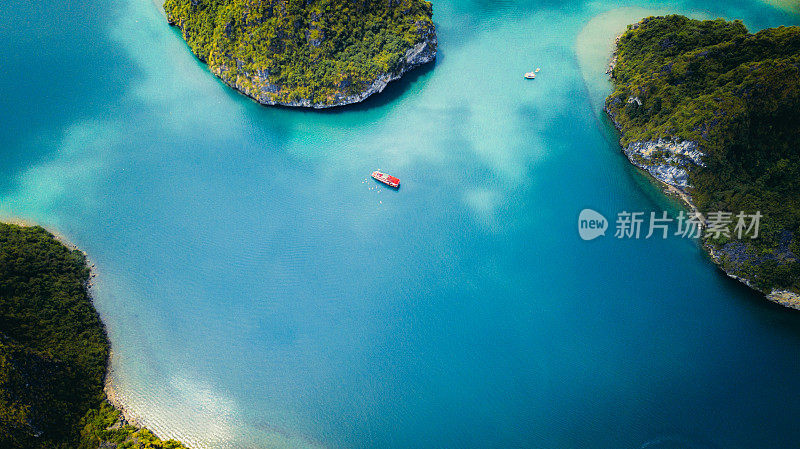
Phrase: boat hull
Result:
[389,180]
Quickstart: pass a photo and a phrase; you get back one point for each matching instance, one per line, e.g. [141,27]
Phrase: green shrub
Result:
[53,350]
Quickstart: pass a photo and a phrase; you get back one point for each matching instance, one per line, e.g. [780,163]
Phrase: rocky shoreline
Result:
[258,87]
[126,418]
[675,181]
[669,161]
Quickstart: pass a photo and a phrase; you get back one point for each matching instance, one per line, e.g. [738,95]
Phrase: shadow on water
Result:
[265,114]
[778,315]
[753,298]
[393,91]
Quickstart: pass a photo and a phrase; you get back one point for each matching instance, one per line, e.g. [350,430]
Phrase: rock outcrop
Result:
[315,54]
[257,85]
[669,161]
[670,129]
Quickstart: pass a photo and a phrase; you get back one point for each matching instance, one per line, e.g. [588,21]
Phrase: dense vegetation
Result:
[102,426]
[53,349]
[738,95]
[284,51]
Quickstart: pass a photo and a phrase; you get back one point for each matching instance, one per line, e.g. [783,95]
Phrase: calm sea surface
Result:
[260,291]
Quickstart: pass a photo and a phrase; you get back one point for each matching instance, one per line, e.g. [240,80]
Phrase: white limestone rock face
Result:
[669,161]
[785,298]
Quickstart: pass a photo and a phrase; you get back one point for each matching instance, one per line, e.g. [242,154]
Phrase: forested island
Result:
[54,352]
[310,53]
[713,111]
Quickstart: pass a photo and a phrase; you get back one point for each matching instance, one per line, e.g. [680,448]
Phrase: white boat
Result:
[530,75]
[389,180]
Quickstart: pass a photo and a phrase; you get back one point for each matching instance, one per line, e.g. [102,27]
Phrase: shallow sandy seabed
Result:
[595,45]
[788,5]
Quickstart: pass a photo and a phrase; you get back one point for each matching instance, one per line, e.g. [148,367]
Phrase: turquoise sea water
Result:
[261,292]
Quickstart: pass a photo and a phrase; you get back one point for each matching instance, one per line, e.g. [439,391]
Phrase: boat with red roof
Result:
[389,180]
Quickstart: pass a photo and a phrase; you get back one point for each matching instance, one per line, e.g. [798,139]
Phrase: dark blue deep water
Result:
[260,292]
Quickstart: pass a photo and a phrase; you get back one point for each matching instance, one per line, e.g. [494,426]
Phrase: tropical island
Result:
[317,54]
[711,111]
[54,351]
